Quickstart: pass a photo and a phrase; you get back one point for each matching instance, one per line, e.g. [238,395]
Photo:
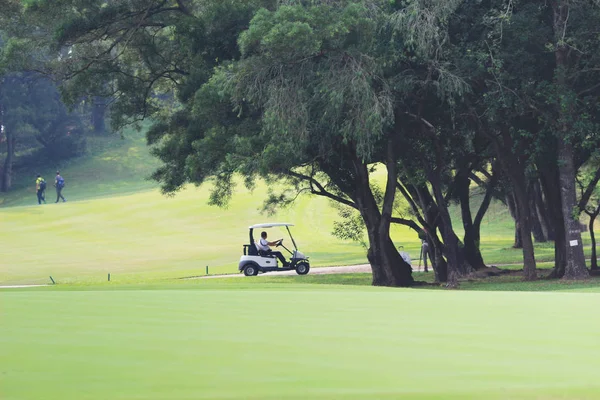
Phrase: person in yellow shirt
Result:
[40,188]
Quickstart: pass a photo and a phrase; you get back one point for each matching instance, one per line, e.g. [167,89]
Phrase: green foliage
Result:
[350,227]
[421,24]
[34,112]
[587,181]
[317,84]
[520,69]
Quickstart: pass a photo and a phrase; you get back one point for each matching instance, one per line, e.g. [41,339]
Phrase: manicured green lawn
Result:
[297,341]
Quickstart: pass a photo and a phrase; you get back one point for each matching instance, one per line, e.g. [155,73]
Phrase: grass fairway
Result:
[297,341]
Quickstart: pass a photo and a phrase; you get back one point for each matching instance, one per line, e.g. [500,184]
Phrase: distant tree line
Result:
[37,128]
[444,95]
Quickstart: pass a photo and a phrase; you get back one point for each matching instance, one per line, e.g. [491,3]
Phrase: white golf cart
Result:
[254,261]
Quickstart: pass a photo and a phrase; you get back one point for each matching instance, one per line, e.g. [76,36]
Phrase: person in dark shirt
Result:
[425,251]
[59,184]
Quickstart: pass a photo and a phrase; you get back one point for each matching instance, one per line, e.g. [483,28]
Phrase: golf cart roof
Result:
[270,225]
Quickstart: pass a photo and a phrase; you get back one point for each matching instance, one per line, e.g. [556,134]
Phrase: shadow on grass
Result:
[508,282]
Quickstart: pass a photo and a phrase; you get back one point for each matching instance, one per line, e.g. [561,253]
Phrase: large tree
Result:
[346,86]
[539,107]
[577,71]
[310,79]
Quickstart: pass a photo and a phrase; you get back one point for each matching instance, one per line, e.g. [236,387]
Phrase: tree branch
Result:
[407,222]
[589,191]
[487,199]
[390,188]
[410,200]
[423,120]
[588,90]
[184,9]
[321,190]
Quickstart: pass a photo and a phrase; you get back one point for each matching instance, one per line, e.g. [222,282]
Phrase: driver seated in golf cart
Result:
[264,250]
[258,256]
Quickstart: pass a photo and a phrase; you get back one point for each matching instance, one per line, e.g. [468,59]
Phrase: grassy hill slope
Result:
[113,165]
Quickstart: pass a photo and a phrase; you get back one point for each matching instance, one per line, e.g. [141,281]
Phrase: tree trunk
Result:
[440,264]
[6,178]
[389,269]
[457,267]
[593,215]
[471,249]
[450,248]
[515,169]
[440,268]
[425,210]
[510,203]
[514,213]
[518,233]
[485,205]
[560,249]
[575,259]
[549,183]
[529,267]
[518,236]
[432,219]
[536,227]
[542,211]
[472,232]
[99,115]
[436,247]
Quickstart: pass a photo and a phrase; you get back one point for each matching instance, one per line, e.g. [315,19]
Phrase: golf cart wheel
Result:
[251,270]
[302,268]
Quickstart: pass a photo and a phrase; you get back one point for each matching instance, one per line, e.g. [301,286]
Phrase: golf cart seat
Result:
[267,254]
[250,249]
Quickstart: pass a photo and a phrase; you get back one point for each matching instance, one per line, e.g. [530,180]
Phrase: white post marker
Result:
[573,243]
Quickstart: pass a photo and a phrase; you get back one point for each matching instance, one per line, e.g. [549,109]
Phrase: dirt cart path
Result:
[350,269]
[18,286]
